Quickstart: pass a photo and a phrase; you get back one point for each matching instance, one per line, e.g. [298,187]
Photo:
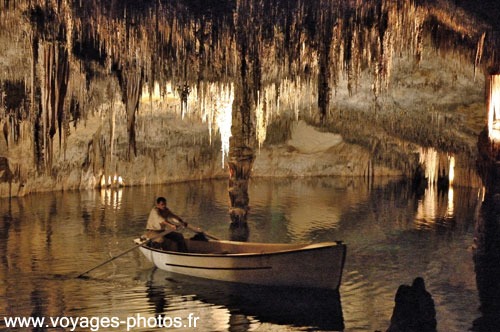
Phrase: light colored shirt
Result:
[155,220]
[156,217]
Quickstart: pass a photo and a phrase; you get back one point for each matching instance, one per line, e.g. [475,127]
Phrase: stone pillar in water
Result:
[241,158]
[243,140]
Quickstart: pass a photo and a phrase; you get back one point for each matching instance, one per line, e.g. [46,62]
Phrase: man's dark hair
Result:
[161,199]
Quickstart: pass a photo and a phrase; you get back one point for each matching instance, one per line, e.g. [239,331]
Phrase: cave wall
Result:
[169,149]
[381,80]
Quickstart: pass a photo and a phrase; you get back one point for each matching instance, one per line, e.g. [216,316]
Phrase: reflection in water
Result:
[436,206]
[7,221]
[156,296]
[239,232]
[450,209]
[248,305]
[111,197]
[38,307]
[48,239]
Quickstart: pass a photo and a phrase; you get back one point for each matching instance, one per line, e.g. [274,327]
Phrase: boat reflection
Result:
[245,304]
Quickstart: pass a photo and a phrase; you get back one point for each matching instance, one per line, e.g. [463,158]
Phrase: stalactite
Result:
[6,132]
[56,76]
[35,105]
[325,42]
[479,53]
[61,78]
[281,56]
[293,39]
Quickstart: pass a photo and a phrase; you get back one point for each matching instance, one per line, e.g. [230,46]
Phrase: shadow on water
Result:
[306,308]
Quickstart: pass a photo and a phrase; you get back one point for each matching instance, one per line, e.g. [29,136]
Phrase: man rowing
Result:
[161,219]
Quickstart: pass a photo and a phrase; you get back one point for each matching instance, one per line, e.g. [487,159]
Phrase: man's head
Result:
[161,203]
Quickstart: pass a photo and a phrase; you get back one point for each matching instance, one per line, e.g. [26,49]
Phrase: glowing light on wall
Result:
[494,109]
[433,162]
[262,117]
[155,93]
[211,102]
[215,104]
[115,181]
[223,110]
[151,95]
[429,159]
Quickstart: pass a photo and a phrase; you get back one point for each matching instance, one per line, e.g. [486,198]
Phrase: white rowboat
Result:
[296,265]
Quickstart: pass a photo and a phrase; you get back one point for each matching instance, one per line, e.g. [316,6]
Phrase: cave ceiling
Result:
[54,52]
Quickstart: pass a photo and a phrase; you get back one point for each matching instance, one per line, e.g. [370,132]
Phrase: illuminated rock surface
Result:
[152,92]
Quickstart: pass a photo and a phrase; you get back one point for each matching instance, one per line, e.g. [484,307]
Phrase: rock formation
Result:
[111,80]
[414,309]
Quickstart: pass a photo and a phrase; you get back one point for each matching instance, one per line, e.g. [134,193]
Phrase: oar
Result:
[199,230]
[123,253]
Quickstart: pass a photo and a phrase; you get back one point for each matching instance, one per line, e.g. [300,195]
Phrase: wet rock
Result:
[486,249]
[414,309]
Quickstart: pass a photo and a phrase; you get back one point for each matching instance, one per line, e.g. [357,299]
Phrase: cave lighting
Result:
[427,210]
[261,115]
[115,181]
[155,94]
[429,159]
[213,101]
[494,109]
[147,94]
[224,117]
[451,174]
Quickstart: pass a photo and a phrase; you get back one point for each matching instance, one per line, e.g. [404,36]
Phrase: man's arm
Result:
[166,224]
[170,215]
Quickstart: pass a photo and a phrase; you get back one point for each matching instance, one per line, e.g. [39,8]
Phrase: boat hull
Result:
[314,266]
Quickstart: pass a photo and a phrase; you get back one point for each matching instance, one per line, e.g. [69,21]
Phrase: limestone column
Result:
[241,158]
[243,141]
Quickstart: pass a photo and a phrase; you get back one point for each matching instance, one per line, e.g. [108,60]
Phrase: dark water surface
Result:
[392,234]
